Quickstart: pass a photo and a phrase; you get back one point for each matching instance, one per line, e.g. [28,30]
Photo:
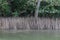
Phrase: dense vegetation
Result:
[26,8]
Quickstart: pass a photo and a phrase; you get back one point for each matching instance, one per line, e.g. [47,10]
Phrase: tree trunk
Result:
[37,8]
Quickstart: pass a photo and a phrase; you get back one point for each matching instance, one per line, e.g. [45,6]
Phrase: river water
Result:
[31,35]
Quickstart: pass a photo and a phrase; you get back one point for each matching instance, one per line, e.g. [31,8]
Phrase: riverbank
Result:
[29,24]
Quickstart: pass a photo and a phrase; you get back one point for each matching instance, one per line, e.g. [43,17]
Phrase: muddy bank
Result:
[29,24]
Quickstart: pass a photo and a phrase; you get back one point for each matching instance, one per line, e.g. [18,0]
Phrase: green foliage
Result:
[50,9]
[18,8]
[5,9]
[15,14]
[23,7]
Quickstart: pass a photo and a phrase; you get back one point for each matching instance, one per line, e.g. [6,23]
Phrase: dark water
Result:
[38,35]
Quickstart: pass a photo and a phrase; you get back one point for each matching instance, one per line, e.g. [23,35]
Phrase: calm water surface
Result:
[38,35]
